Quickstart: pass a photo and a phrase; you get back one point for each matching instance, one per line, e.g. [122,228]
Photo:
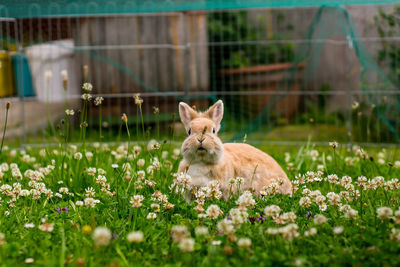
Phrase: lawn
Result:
[120,206]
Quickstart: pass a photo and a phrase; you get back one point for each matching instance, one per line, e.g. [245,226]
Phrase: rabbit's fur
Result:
[205,158]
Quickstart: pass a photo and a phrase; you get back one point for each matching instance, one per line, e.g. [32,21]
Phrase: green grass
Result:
[364,241]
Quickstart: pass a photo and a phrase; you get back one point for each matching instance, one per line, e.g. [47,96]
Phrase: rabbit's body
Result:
[207,159]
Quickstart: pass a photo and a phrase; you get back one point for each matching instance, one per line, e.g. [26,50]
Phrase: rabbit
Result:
[206,158]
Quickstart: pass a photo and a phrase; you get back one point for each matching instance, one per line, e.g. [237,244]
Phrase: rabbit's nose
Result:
[201,139]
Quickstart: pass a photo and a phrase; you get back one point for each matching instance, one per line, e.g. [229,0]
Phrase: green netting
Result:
[376,86]
[46,8]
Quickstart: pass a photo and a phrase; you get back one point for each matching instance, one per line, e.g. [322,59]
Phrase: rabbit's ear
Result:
[216,112]
[186,113]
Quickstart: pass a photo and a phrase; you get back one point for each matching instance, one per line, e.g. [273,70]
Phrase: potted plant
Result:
[259,65]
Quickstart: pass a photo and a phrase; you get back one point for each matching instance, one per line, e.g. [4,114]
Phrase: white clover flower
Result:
[90,202]
[333,144]
[244,243]
[136,201]
[151,216]
[320,219]
[187,245]
[246,200]
[395,235]
[397,164]
[29,225]
[69,112]
[310,232]
[86,97]
[98,100]
[338,230]
[87,87]
[79,203]
[140,162]
[179,232]
[305,202]
[213,211]
[138,100]
[29,260]
[101,236]
[201,230]
[384,213]
[226,227]
[46,227]
[78,156]
[216,242]
[114,166]
[135,237]
[272,211]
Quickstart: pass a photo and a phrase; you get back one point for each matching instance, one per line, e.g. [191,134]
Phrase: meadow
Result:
[123,204]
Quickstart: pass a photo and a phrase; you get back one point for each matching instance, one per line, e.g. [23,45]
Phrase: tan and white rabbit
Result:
[205,158]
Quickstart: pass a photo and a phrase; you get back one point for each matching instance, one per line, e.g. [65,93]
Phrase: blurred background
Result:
[287,71]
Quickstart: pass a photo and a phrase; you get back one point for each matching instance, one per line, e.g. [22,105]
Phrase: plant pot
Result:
[273,88]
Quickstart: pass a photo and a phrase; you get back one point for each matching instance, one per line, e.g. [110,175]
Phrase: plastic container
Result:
[22,74]
[55,57]
[7,86]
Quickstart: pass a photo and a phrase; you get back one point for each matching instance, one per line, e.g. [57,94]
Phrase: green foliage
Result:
[74,228]
[388,25]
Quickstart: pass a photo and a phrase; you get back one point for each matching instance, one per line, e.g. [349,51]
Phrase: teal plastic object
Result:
[23,76]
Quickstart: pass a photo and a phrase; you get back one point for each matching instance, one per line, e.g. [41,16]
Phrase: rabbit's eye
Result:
[213,130]
[190,131]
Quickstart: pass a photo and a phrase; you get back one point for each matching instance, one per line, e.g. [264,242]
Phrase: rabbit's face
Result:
[202,143]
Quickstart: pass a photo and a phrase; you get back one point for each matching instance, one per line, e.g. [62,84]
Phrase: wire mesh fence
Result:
[285,74]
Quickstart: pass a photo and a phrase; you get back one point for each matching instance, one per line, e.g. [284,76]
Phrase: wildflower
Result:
[396,217]
[138,100]
[246,200]
[86,229]
[355,105]
[29,260]
[135,237]
[66,209]
[395,235]
[384,213]
[216,242]
[187,245]
[333,144]
[272,211]
[213,211]
[79,203]
[2,239]
[124,118]
[305,202]
[29,225]
[46,227]
[87,87]
[244,243]
[310,232]
[90,202]
[86,97]
[140,162]
[320,219]
[58,210]
[151,216]
[69,112]
[101,236]
[179,232]
[201,230]
[338,230]
[136,201]
[98,100]
[114,166]
[226,227]
[78,156]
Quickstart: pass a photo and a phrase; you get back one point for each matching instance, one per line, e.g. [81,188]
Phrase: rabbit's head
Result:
[202,143]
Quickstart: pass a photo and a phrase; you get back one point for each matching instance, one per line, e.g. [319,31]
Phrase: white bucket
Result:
[55,57]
